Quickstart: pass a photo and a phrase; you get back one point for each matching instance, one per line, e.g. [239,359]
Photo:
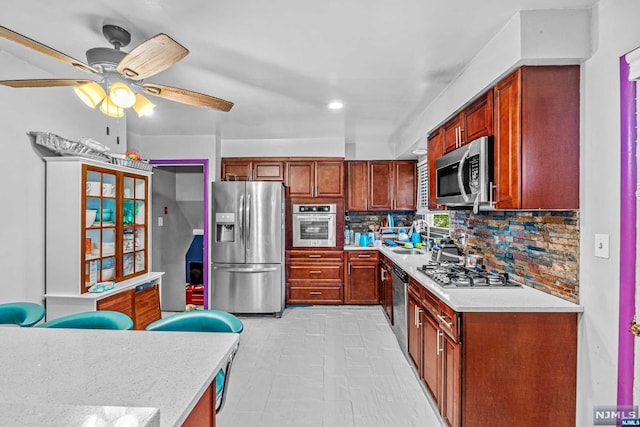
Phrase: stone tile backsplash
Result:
[537,248]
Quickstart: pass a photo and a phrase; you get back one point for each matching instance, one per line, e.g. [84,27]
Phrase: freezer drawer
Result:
[248,288]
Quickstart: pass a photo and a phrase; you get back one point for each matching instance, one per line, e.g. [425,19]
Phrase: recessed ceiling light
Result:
[419,151]
[335,105]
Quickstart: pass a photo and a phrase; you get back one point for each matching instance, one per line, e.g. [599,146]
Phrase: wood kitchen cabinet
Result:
[315,178]
[361,280]
[434,151]
[392,185]
[479,367]
[357,185]
[314,277]
[536,138]
[471,123]
[252,169]
[143,305]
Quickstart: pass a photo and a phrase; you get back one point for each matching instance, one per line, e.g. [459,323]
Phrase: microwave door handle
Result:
[460,169]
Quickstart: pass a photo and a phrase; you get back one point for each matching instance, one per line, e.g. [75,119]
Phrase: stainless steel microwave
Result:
[314,225]
[464,176]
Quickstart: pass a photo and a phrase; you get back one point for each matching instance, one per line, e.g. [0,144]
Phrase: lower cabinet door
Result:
[431,368]
[362,284]
[450,403]
[147,307]
[121,302]
[414,332]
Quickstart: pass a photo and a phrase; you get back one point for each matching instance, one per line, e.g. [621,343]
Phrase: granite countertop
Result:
[66,376]
[478,300]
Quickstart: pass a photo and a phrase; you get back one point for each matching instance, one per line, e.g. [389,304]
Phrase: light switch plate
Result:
[160,221]
[602,245]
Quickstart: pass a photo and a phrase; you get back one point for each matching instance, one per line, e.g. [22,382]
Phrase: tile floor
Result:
[323,367]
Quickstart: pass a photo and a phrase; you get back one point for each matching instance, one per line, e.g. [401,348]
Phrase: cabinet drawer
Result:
[317,294]
[431,302]
[448,320]
[315,272]
[315,256]
[415,289]
[362,256]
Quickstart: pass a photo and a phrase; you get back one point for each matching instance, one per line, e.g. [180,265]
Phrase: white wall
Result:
[22,173]
[177,147]
[294,147]
[616,33]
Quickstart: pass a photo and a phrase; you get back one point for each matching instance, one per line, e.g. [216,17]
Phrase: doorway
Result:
[180,232]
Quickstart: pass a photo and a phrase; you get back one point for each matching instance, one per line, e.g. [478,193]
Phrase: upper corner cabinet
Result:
[536,138]
[97,223]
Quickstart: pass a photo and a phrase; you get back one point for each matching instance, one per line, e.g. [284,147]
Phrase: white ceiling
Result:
[282,61]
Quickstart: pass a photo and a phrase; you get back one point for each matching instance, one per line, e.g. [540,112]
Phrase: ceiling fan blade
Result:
[151,57]
[187,97]
[39,47]
[43,82]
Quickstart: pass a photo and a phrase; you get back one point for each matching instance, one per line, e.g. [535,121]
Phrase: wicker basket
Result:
[123,160]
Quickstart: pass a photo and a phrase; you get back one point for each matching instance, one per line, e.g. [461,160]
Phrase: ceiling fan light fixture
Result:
[121,95]
[90,93]
[143,106]
[111,109]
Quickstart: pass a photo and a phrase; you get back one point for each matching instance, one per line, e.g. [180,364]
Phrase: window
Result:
[423,184]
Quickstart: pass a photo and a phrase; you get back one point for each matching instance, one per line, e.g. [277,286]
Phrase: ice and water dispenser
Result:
[225,227]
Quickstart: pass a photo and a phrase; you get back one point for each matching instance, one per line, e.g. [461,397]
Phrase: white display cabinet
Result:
[97,230]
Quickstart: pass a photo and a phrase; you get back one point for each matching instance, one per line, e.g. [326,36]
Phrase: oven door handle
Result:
[460,169]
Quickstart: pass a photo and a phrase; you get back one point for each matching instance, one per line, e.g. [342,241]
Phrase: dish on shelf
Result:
[90,217]
[93,188]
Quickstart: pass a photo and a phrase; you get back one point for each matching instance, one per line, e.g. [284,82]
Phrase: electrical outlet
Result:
[602,245]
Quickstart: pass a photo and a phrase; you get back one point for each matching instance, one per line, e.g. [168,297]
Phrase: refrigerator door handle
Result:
[248,218]
[246,269]
[241,220]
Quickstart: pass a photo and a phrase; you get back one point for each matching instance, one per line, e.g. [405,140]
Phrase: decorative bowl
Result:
[106,215]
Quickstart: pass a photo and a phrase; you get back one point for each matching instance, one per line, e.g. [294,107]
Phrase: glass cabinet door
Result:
[114,225]
[134,232]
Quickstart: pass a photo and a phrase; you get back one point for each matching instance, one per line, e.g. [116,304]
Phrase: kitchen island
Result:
[72,376]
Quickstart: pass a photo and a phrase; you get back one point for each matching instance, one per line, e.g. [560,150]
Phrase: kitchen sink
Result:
[407,251]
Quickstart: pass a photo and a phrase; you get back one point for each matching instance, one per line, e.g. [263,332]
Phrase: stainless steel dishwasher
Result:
[399,286]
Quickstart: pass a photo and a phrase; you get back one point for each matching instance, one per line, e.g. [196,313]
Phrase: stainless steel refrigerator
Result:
[247,249]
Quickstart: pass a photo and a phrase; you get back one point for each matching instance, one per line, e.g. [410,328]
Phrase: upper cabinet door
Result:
[381,185]
[477,118]
[268,171]
[434,151]
[236,170]
[329,179]
[452,133]
[301,179]
[405,185]
[357,186]
[506,142]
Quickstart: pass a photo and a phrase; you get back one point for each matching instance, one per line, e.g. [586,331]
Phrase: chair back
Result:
[198,321]
[205,321]
[23,314]
[101,319]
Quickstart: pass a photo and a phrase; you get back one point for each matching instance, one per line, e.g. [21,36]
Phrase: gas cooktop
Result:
[449,275]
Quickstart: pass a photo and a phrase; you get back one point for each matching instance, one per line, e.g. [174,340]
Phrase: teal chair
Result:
[205,321]
[23,314]
[101,319]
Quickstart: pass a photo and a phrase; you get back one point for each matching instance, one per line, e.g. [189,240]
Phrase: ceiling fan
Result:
[119,72]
